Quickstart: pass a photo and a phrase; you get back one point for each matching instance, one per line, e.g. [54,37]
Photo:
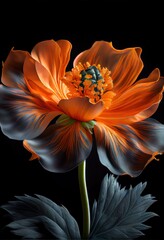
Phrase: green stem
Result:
[84,199]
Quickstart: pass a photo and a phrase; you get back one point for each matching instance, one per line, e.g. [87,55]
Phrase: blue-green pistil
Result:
[94,72]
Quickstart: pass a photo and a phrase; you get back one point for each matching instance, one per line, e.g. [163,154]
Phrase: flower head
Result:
[99,97]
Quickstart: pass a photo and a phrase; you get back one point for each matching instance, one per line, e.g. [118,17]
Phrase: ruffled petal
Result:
[128,149]
[54,56]
[38,80]
[137,103]
[81,109]
[125,65]
[61,148]
[65,47]
[12,71]
[28,148]
[23,116]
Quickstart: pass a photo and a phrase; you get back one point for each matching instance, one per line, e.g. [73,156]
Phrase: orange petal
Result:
[125,65]
[23,116]
[54,56]
[12,71]
[65,47]
[38,84]
[28,148]
[61,148]
[139,102]
[81,109]
[40,81]
[128,149]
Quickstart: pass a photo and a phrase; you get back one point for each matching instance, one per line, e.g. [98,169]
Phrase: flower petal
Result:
[81,109]
[23,116]
[125,65]
[28,148]
[12,71]
[39,80]
[137,103]
[54,56]
[65,47]
[61,148]
[128,149]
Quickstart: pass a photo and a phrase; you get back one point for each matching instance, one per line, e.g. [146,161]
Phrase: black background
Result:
[127,24]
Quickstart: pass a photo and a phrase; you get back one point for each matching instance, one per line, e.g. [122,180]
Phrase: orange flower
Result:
[99,98]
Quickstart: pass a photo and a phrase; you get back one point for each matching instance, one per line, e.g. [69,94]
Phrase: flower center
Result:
[90,81]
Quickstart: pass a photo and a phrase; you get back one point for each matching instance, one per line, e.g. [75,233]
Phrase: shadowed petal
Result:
[28,148]
[125,65]
[137,103]
[61,148]
[23,116]
[12,71]
[128,149]
[81,109]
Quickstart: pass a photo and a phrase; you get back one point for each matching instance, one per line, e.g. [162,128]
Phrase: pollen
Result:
[92,81]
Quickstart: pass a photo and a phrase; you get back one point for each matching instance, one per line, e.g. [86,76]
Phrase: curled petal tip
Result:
[138,50]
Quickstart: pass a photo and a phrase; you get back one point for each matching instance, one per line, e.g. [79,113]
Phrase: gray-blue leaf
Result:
[38,217]
[119,213]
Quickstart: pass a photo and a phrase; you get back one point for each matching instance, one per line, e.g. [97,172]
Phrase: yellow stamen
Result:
[92,81]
